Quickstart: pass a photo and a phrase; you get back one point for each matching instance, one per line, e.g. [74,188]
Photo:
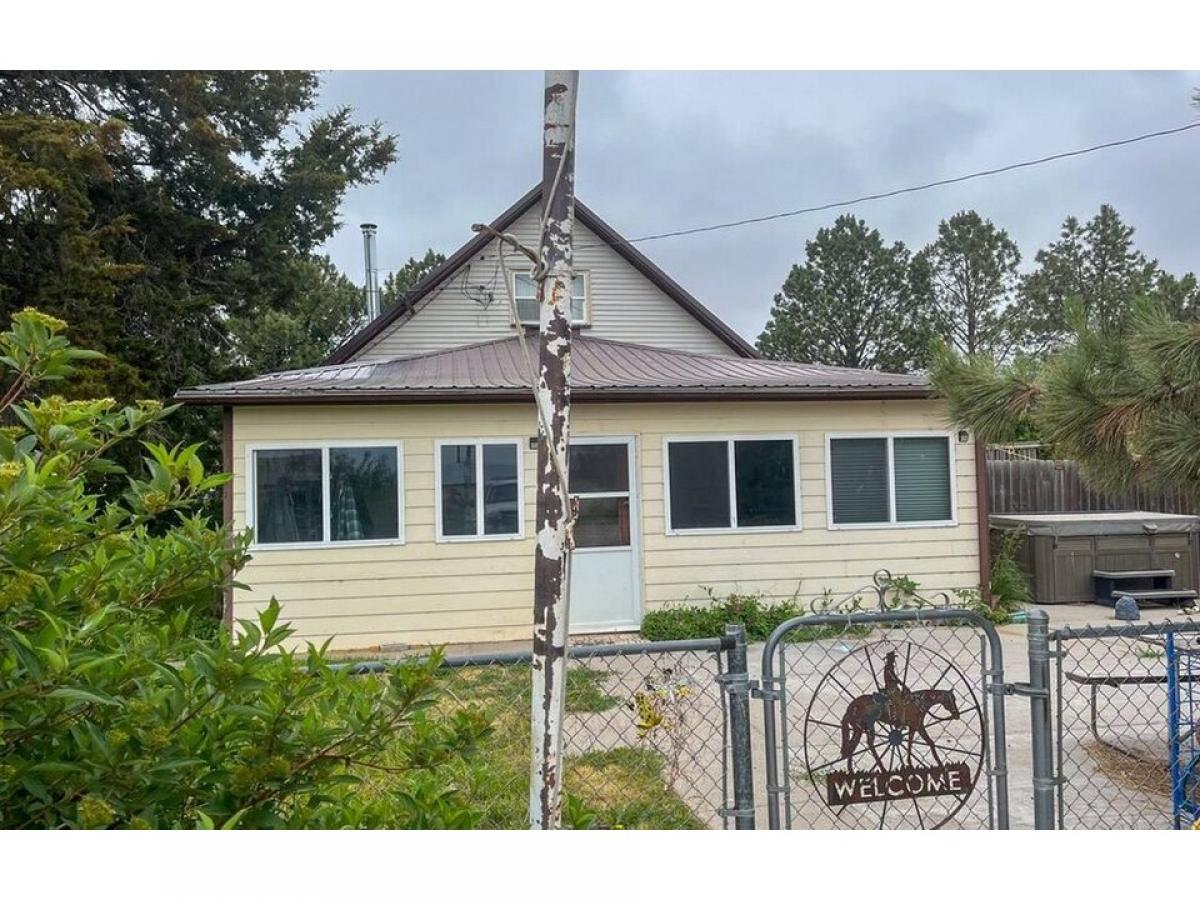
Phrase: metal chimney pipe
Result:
[371,286]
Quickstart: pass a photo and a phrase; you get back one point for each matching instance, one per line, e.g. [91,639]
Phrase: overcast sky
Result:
[664,150]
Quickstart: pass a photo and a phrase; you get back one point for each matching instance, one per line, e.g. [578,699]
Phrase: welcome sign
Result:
[845,788]
[894,737]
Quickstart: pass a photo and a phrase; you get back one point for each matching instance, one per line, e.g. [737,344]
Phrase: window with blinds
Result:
[890,480]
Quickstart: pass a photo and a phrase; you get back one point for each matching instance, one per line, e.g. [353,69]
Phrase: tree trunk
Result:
[551,574]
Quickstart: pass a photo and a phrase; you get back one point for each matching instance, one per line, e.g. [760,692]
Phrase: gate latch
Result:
[1025,689]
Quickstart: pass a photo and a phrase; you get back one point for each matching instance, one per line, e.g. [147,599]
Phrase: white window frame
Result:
[326,525]
[585,322]
[730,440]
[890,436]
[478,443]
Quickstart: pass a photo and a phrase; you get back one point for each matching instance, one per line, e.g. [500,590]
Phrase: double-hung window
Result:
[525,291]
[721,484]
[326,494]
[479,493]
[890,479]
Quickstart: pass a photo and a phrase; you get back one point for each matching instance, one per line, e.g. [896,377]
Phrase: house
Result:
[391,491]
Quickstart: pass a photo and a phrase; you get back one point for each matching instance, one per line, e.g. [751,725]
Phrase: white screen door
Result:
[604,566]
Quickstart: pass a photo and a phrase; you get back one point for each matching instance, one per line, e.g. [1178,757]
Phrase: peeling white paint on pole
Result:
[551,573]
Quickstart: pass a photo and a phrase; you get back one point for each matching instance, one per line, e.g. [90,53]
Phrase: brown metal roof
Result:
[602,230]
[600,370]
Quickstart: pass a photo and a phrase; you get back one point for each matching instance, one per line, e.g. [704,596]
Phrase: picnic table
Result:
[1094,682]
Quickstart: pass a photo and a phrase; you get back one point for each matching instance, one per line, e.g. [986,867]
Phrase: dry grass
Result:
[1132,770]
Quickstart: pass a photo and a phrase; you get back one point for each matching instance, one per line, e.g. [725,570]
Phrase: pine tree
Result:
[973,274]
[855,302]
[1095,265]
[1126,407]
[396,286]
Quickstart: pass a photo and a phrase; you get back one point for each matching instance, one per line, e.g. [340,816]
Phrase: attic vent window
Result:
[527,308]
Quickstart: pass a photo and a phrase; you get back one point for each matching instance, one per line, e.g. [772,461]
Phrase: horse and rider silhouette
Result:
[904,711]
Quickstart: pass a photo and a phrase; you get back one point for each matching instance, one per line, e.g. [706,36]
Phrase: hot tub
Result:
[1059,551]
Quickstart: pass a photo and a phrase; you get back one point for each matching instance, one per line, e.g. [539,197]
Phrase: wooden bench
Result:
[1149,585]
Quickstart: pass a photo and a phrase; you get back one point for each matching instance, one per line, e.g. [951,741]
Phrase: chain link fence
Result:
[1113,703]
[644,735]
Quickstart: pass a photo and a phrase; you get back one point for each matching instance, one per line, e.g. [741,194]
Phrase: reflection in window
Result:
[602,522]
[288,498]
[765,483]
[598,468]
[480,489]
[458,489]
[500,497]
[763,491]
[364,494]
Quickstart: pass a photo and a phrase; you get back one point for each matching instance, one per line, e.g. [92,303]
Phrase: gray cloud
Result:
[664,150]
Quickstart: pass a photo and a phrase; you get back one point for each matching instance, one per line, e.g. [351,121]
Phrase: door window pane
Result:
[598,468]
[458,489]
[288,496]
[500,489]
[699,473]
[859,480]
[363,493]
[602,522]
[922,472]
[765,482]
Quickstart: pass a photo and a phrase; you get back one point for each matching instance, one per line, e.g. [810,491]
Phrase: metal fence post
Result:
[1038,631]
[737,687]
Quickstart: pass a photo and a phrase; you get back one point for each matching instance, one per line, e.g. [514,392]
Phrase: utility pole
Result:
[551,570]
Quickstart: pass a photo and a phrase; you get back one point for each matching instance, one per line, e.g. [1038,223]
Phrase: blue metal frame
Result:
[1183,749]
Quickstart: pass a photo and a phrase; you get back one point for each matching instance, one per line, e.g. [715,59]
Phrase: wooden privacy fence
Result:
[1018,486]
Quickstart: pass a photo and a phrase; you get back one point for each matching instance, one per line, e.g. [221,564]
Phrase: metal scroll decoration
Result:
[894,737]
[886,593]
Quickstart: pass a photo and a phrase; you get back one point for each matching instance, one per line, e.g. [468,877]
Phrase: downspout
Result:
[983,510]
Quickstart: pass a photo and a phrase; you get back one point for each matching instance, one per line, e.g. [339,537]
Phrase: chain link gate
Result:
[885,716]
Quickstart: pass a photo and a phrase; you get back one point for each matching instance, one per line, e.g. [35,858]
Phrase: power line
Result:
[883,195]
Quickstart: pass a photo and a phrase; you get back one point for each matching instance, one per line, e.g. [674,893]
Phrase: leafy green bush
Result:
[113,711]
[1009,587]
[689,621]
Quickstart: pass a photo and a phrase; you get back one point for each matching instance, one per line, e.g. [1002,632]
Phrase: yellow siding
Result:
[426,592]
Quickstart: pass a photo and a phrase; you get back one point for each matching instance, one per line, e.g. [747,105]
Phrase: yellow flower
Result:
[94,812]
[9,473]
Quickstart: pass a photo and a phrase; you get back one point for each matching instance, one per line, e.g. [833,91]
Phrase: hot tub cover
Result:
[1080,524]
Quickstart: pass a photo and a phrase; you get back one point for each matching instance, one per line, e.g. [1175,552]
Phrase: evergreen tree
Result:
[855,302]
[172,213]
[973,275]
[1096,265]
[398,283]
[327,308]
[1127,407]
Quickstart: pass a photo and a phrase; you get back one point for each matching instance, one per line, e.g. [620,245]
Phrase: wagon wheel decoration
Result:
[894,737]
